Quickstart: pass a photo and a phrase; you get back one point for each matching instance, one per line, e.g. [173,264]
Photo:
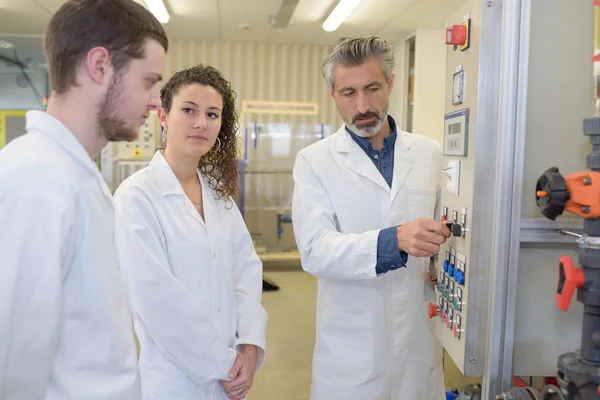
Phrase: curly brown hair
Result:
[220,164]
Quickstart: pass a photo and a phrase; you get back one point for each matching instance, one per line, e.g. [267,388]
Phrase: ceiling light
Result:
[339,14]
[157,7]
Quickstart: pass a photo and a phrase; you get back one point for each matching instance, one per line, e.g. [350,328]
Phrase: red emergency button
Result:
[456,35]
[433,310]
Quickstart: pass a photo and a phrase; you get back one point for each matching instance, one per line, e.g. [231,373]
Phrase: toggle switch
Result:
[457,230]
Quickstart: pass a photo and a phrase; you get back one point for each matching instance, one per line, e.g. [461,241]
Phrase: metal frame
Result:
[542,230]
[508,28]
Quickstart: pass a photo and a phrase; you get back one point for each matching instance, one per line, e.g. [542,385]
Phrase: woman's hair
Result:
[220,164]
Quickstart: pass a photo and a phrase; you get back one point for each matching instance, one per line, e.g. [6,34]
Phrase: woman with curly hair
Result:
[194,278]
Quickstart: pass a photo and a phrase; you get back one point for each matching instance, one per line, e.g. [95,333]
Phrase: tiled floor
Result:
[290,338]
[290,341]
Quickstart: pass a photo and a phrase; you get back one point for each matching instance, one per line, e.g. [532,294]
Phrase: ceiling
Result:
[22,22]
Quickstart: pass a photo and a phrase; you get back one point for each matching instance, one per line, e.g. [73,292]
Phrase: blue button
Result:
[460,277]
[446,265]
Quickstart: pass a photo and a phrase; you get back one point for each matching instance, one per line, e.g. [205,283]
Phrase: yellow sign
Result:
[467,24]
[279,107]
[3,115]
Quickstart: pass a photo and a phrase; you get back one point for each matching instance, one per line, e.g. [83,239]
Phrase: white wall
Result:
[399,96]
[259,71]
[430,78]
[430,69]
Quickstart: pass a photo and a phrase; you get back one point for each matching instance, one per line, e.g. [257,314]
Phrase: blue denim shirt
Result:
[388,256]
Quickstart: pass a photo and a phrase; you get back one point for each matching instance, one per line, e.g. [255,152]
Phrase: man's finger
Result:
[240,381]
[429,248]
[238,394]
[237,366]
[433,225]
[432,237]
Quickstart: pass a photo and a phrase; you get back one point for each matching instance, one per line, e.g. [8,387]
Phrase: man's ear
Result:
[98,64]
[162,117]
[391,83]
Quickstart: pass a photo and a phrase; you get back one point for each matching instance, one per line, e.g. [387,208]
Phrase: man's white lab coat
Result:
[65,327]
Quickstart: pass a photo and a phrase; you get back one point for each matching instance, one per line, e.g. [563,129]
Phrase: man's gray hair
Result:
[352,52]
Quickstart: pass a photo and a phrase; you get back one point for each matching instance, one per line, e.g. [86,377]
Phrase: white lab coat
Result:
[196,286]
[374,341]
[65,326]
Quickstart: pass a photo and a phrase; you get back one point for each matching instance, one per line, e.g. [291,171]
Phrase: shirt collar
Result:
[167,181]
[53,128]
[388,142]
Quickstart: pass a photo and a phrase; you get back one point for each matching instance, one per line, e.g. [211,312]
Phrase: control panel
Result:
[118,160]
[146,144]
[455,313]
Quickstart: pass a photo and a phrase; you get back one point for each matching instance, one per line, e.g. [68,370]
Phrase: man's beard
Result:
[110,124]
[367,129]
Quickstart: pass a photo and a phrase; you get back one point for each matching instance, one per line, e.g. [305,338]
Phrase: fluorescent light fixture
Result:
[157,7]
[339,14]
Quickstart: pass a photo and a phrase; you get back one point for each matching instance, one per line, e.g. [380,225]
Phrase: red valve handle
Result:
[447,322]
[433,310]
[455,331]
[569,279]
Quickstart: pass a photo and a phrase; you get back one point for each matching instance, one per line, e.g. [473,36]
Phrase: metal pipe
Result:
[565,232]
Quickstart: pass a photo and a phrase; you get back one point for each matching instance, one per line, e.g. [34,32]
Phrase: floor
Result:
[290,340]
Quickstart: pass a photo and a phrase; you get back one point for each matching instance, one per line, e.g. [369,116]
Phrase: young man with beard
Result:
[65,326]
[363,208]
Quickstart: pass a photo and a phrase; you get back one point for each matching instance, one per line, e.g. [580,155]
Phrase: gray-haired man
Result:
[363,209]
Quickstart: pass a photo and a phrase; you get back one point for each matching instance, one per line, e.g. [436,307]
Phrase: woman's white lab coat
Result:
[196,286]
[374,341]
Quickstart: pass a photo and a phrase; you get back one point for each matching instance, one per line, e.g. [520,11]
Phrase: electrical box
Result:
[145,146]
[457,316]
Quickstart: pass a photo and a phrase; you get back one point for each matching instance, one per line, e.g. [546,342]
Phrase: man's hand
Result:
[422,237]
[242,373]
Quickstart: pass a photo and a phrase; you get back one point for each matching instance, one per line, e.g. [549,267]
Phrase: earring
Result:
[218,142]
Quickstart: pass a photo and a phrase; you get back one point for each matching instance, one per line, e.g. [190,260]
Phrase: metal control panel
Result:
[119,160]
[457,314]
[145,146]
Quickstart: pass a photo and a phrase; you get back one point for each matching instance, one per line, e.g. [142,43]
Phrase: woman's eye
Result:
[188,110]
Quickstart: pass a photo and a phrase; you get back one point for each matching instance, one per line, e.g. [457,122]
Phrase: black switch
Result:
[455,229]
